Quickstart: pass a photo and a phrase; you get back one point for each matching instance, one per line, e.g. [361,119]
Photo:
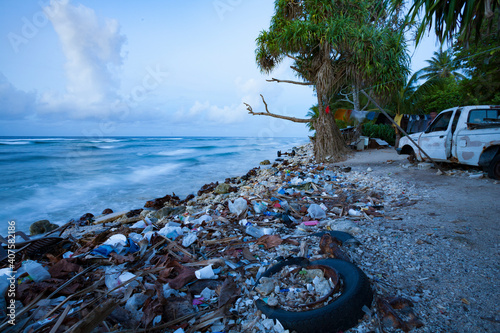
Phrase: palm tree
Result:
[313,115]
[441,66]
[464,17]
[407,97]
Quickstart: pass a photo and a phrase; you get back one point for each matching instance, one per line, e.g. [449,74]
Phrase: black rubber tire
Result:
[341,235]
[339,315]
[412,157]
[494,168]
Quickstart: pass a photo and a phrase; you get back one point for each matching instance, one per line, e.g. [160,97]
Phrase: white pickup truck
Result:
[466,135]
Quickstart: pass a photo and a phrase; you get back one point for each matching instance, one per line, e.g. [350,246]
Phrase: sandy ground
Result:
[449,201]
[451,239]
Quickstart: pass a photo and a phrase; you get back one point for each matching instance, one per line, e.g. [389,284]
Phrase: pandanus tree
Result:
[333,44]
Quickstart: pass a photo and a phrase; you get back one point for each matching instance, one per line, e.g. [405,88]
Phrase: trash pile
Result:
[202,264]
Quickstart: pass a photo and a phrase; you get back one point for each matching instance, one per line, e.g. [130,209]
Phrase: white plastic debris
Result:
[135,302]
[139,225]
[170,231]
[135,237]
[238,206]
[116,240]
[205,273]
[111,276]
[200,220]
[189,239]
[67,255]
[125,276]
[36,271]
[207,293]
[355,213]
[316,212]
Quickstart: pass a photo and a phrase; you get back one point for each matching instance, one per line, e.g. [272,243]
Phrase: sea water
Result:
[62,178]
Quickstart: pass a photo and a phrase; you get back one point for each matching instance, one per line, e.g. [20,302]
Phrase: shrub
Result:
[382,131]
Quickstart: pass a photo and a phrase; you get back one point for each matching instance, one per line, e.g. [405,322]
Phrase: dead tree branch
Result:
[288,81]
[274,115]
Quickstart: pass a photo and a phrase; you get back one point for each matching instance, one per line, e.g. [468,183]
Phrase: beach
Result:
[63,178]
[431,267]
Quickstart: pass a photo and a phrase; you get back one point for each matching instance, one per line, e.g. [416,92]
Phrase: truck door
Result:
[436,140]
[482,126]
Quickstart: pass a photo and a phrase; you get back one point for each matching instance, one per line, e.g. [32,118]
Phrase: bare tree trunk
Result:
[329,144]
[355,97]
[398,137]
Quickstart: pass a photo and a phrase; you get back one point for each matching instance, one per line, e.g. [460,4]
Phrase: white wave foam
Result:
[176,152]
[105,141]
[144,173]
[8,142]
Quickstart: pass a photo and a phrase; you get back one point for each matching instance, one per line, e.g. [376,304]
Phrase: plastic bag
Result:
[238,206]
[200,220]
[170,232]
[316,212]
[36,271]
[111,275]
[189,239]
[136,301]
[139,225]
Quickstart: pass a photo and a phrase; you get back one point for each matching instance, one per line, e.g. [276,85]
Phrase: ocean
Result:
[62,178]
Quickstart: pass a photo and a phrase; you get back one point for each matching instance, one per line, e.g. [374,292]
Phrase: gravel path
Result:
[442,252]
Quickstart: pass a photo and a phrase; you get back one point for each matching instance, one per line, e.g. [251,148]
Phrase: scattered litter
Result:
[191,265]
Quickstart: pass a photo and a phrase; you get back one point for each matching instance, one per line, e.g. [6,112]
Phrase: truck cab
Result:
[466,135]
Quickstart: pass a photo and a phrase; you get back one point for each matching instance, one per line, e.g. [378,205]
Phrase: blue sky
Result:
[154,68]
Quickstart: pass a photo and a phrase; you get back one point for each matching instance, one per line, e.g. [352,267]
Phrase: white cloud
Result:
[207,112]
[14,103]
[92,47]
[247,91]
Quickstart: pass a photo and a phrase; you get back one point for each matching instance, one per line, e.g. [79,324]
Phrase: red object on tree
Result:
[327,110]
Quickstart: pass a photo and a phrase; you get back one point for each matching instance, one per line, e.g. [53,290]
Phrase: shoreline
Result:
[128,174]
[402,253]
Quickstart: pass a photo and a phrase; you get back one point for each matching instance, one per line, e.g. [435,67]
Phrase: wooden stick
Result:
[402,131]
[60,320]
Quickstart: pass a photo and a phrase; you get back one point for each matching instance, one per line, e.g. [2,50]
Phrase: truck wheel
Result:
[494,168]
[339,315]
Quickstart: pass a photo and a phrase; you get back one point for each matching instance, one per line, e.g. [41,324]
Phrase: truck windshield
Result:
[441,122]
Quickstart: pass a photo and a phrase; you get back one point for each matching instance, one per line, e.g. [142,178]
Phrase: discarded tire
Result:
[344,237]
[341,314]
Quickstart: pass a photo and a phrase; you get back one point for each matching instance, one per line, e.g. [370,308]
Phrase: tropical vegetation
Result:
[334,45]
[347,47]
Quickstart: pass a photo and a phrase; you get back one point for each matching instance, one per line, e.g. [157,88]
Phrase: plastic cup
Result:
[205,273]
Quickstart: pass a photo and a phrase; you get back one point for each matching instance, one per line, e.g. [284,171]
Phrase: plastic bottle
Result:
[254,231]
[37,272]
